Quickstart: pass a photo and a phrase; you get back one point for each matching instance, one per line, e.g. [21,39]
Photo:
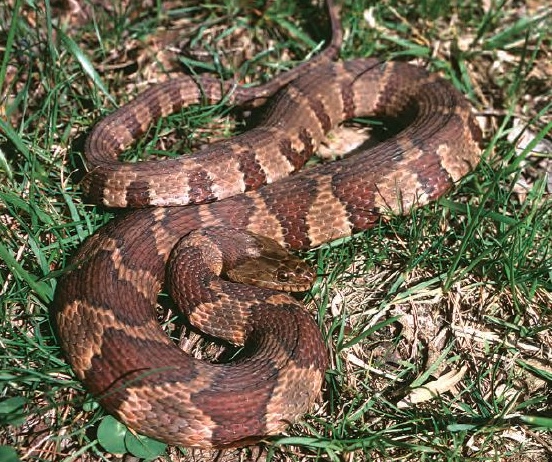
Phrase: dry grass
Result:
[454,299]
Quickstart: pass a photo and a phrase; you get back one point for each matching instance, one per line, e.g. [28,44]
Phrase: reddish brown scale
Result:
[295,157]
[307,140]
[200,186]
[322,115]
[347,96]
[291,213]
[250,163]
[137,193]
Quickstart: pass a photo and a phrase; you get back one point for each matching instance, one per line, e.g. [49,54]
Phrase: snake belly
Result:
[105,303]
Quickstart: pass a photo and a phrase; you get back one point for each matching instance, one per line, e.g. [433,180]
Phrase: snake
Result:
[201,226]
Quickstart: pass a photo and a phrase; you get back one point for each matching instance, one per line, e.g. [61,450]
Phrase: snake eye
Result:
[282,276]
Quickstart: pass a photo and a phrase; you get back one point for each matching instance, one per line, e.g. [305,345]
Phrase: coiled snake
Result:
[105,302]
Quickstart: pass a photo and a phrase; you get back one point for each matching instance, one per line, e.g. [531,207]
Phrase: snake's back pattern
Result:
[105,304]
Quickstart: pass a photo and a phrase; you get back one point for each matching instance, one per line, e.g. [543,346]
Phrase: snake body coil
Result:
[106,302]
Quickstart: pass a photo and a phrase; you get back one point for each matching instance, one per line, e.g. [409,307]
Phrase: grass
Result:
[455,297]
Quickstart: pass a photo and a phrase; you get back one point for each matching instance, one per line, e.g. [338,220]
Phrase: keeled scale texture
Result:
[105,305]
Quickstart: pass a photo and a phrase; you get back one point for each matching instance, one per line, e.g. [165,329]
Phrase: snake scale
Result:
[105,301]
